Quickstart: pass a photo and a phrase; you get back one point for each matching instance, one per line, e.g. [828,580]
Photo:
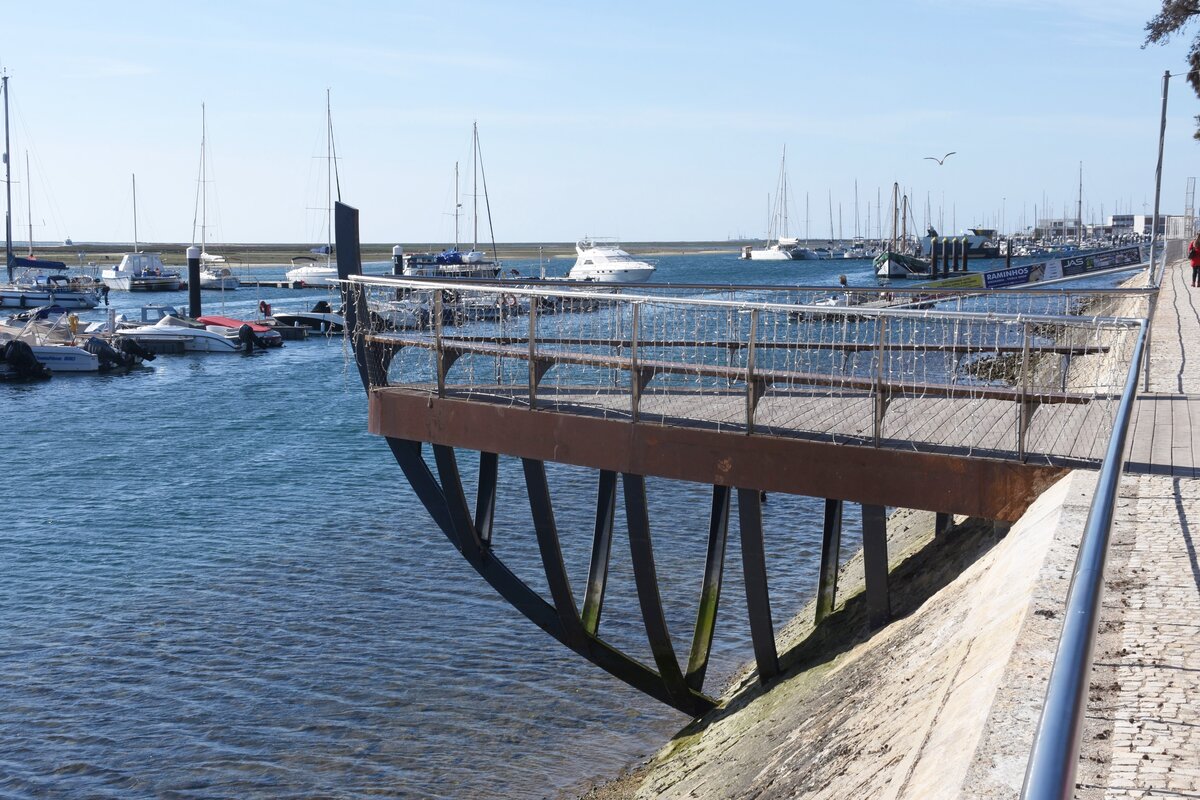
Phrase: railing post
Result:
[437,339]
[881,327]
[750,400]
[635,388]
[533,353]
[1152,306]
[1023,405]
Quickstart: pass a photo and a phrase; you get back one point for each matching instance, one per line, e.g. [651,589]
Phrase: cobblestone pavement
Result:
[1156,716]
[1153,678]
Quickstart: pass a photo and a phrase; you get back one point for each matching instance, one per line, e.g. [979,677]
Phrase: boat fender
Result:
[264,308]
[73,323]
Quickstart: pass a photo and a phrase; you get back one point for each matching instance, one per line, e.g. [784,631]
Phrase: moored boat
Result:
[142,272]
[603,261]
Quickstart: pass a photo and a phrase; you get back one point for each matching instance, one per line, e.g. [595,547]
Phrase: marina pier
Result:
[968,409]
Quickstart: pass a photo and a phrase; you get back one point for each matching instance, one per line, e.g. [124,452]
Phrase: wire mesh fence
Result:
[1014,374]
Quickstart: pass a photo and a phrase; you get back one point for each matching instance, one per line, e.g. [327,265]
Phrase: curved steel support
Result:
[446,503]
[710,592]
[754,568]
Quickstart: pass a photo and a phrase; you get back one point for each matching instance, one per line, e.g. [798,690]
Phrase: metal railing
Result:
[1050,774]
[881,372]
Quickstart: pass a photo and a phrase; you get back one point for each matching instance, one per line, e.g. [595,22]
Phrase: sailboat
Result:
[213,273]
[41,281]
[453,262]
[306,270]
[896,261]
[779,246]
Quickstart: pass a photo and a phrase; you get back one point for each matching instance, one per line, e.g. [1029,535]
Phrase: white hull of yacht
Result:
[313,276]
[770,254]
[616,275]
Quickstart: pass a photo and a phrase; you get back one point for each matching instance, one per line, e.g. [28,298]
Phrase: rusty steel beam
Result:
[980,487]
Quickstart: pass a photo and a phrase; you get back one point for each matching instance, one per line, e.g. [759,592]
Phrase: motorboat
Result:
[142,272]
[603,261]
[774,251]
[50,334]
[261,335]
[32,289]
[173,332]
[321,319]
[217,277]
[450,263]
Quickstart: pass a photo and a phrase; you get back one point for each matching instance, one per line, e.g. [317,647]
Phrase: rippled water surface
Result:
[216,583]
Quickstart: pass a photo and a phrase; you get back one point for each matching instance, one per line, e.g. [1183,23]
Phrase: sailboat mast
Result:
[8,254]
[457,205]
[831,216]
[475,185]
[328,181]
[135,238]
[29,202]
[1079,210]
[783,232]
[203,182]
[895,213]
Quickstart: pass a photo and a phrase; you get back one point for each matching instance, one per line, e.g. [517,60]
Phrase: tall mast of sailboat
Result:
[203,182]
[783,214]
[135,239]
[457,205]
[328,181]
[475,185]
[8,254]
[1079,210]
[29,202]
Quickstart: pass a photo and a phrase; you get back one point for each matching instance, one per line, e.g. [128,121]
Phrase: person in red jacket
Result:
[1194,257]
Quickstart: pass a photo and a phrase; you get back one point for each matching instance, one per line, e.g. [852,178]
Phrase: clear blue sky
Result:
[645,120]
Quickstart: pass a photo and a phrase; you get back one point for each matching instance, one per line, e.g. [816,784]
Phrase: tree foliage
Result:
[1175,16]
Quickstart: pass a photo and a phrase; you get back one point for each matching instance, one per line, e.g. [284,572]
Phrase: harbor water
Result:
[217,584]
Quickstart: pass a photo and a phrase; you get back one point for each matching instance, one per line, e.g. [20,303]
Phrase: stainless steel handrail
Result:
[1050,773]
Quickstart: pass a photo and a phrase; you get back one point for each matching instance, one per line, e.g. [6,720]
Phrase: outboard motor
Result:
[110,357]
[322,307]
[246,336]
[22,362]
[134,349]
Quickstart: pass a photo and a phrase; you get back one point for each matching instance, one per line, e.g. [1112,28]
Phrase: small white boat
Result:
[772,252]
[141,272]
[173,330]
[215,277]
[307,272]
[603,261]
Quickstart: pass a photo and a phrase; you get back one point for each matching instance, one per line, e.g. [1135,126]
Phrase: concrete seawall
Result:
[941,703]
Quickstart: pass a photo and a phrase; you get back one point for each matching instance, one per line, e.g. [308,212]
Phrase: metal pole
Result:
[533,365]
[437,337]
[1050,774]
[1156,275]
[634,383]
[750,372]
[1162,135]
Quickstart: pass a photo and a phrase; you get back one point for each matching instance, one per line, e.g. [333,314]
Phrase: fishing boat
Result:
[601,259]
[142,272]
[138,271]
[898,261]
[306,271]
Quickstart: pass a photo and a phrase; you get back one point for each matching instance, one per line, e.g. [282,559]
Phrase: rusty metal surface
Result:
[983,487]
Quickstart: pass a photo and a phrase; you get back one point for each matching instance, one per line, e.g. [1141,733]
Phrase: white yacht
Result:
[603,261]
[306,271]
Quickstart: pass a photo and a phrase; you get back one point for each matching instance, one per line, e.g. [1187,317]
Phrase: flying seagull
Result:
[941,160]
